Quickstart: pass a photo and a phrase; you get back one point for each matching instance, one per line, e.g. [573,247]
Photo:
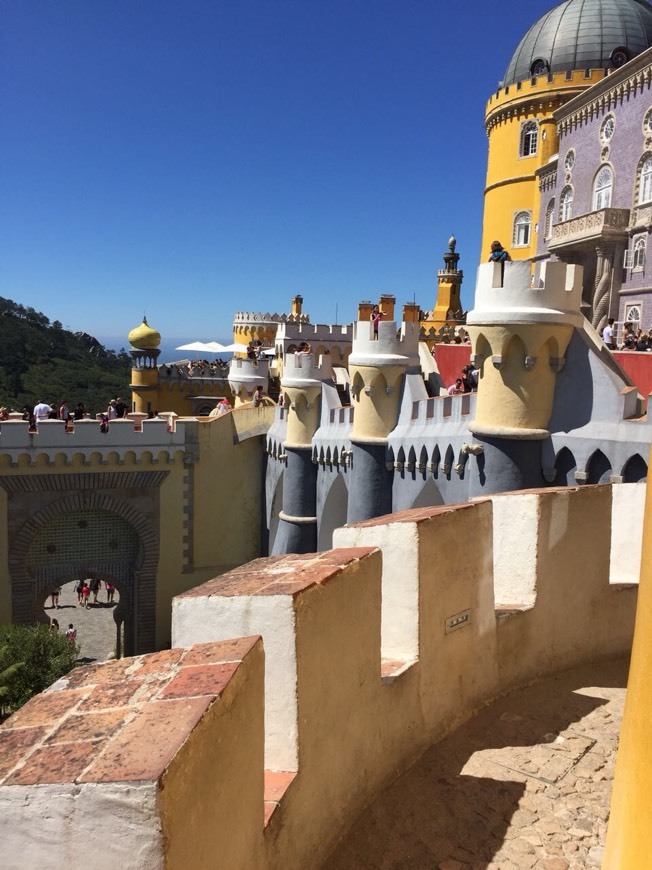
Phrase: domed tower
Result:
[145,351]
[568,49]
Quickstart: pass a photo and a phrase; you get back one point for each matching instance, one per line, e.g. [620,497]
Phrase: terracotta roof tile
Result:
[124,721]
[63,762]
[146,745]
[200,680]
[280,575]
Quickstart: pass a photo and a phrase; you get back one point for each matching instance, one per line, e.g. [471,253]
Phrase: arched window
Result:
[550,217]
[566,204]
[522,223]
[639,254]
[602,188]
[633,315]
[645,183]
[529,139]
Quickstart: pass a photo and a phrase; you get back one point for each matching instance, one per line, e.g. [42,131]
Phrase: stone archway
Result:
[89,533]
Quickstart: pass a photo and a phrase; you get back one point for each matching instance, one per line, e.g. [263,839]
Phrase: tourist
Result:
[110,592]
[223,406]
[120,408]
[64,413]
[71,633]
[608,334]
[42,410]
[258,397]
[79,588]
[54,625]
[376,316]
[4,413]
[95,586]
[498,254]
[111,411]
[80,411]
[54,597]
[456,388]
[86,594]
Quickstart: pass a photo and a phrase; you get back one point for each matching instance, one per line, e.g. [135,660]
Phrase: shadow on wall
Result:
[453,804]
[333,514]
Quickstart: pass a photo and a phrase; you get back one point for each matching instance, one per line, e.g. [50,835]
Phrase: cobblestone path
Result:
[525,784]
[96,631]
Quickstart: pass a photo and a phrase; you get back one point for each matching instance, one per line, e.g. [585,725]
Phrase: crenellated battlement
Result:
[157,437]
[393,347]
[248,374]
[513,100]
[247,317]
[370,658]
[306,369]
[505,297]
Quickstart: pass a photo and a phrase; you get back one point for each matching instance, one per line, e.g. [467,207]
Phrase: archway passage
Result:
[99,636]
[96,546]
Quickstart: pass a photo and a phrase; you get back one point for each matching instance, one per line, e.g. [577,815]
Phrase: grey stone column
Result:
[297,528]
[370,489]
[505,465]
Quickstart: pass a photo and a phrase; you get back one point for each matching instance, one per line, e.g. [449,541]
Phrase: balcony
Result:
[605,225]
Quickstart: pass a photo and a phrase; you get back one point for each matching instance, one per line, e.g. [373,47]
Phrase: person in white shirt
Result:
[42,410]
[608,334]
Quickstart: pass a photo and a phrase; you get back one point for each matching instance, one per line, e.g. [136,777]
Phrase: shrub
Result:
[31,659]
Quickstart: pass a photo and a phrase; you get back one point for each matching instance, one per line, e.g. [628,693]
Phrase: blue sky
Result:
[190,159]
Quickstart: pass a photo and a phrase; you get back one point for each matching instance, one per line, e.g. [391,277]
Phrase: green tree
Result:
[31,659]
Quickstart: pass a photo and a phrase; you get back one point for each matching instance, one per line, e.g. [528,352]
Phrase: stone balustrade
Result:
[603,225]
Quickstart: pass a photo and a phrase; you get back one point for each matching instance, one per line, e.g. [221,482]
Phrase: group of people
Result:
[631,339]
[467,383]
[84,589]
[49,411]
[204,369]
[71,631]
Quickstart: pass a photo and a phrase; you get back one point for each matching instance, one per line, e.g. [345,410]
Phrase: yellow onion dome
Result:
[143,337]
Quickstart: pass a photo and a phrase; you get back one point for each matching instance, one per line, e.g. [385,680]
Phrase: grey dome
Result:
[582,34]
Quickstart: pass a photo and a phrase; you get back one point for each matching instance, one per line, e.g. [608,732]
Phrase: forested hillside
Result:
[41,360]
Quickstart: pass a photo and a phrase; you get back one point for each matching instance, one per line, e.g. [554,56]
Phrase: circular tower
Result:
[377,368]
[520,335]
[303,376]
[145,351]
[568,49]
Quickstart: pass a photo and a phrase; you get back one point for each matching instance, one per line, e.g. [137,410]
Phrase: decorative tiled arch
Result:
[140,625]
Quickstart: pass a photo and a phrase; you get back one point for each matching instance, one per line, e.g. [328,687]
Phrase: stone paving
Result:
[525,784]
[96,631]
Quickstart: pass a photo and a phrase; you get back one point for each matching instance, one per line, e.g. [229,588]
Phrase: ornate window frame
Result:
[603,196]
[607,129]
[522,229]
[550,219]
[529,138]
[639,251]
[643,185]
[566,203]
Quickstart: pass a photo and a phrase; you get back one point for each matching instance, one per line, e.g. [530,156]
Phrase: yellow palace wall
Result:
[511,184]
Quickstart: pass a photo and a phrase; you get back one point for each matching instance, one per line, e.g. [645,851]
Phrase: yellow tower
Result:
[570,48]
[628,836]
[448,307]
[144,342]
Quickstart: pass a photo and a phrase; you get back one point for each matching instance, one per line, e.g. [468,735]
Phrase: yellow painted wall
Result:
[511,184]
[628,836]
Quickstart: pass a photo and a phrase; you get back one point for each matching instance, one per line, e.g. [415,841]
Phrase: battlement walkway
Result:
[525,784]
